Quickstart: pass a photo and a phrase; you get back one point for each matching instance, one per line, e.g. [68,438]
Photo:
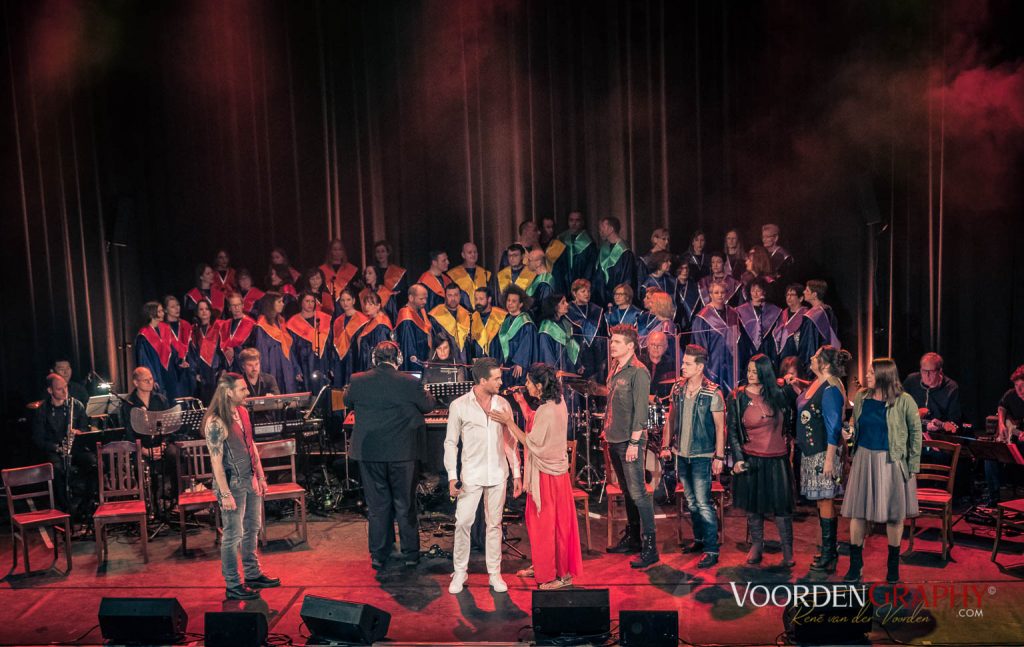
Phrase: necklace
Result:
[765,412]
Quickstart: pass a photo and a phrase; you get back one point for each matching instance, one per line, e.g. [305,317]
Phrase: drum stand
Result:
[588,476]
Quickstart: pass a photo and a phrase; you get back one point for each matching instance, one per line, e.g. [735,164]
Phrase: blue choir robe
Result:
[237,334]
[412,332]
[700,264]
[215,296]
[274,343]
[540,289]
[590,332]
[647,323]
[757,334]
[817,329]
[577,260]
[311,339]
[717,334]
[206,358]
[507,276]
[687,299]
[781,262]
[396,279]
[453,326]
[627,316]
[469,279]
[734,294]
[388,301]
[179,381]
[338,278]
[615,264]
[251,302]
[483,334]
[666,283]
[503,261]
[344,350]
[372,333]
[556,346]
[153,350]
[518,339]
[554,251]
[436,286]
[787,334]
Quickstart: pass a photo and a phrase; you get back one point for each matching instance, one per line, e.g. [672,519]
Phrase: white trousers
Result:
[465,514]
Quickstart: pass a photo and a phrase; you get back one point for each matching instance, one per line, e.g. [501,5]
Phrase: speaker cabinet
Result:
[649,628]
[142,620]
[344,621]
[570,612]
[235,629]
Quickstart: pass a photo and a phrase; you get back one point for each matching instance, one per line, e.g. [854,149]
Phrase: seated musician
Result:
[442,366]
[50,434]
[142,397]
[660,363]
[937,396]
[1011,420]
[258,382]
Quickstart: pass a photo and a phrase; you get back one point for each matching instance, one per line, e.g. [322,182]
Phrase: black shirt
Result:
[157,402]
[942,402]
[1013,405]
[50,426]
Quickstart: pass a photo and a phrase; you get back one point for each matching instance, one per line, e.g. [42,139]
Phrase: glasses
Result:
[928,371]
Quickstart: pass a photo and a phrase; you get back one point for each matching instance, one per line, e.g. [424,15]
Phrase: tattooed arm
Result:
[216,435]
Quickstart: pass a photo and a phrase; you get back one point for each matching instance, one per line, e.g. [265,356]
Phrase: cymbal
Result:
[588,388]
[670,380]
[568,375]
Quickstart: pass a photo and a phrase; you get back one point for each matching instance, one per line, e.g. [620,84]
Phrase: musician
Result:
[377,328]
[555,342]
[250,294]
[236,332]
[468,275]
[391,276]
[274,341]
[543,284]
[936,395]
[1010,415]
[781,260]
[647,264]
[529,240]
[489,453]
[50,436]
[625,426]
[204,289]
[443,366]
[142,396]
[622,311]
[153,343]
[660,362]
[787,333]
[697,257]
[819,327]
[517,337]
[412,329]
[714,330]
[180,379]
[451,321]
[258,382]
[733,293]
[311,337]
[240,485]
[615,263]
[589,331]
[315,283]
[387,300]
[435,279]
[76,390]
[658,274]
[758,320]
[580,255]
[204,354]
[686,297]
[515,273]
[484,325]
[338,273]
[283,267]
[344,360]
[225,278]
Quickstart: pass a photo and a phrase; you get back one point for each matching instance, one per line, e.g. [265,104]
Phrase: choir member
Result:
[436,279]
[484,325]
[272,339]
[686,297]
[529,239]
[180,378]
[386,298]
[542,286]
[547,231]
[204,350]
[622,311]
[658,274]
[759,265]
[589,330]
[338,273]
[615,263]
[714,328]
[203,290]
[517,336]
[658,318]
[468,275]
[697,257]
[644,265]
[278,280]
[781,260]
[735,255]
[315,283]
[377,328]
[451,321]
[733,294]
[555,344]
[819,325]
[660,359]
[787,333]
[225,279]
[345,335]
[412,329]
[391,276]
[311,337]
[237,332]
[279,257]
[250,294]
[153,344]
[578,259]
[515,273]
[758,320]
[552,245]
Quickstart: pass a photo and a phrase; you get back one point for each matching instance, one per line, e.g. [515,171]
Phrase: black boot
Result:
[648,553]
[856,564]
[785,526]
[630,542]
[755,524]
[829,549]
[892,572]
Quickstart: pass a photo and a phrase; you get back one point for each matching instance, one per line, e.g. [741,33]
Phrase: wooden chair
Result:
[578,493]
[279,456]
[617,500]
[194,469]
[50,518]
[1016,522]
[937,501]
[122,497]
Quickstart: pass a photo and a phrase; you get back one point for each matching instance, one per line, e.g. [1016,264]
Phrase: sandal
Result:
[525,572]
[556,583]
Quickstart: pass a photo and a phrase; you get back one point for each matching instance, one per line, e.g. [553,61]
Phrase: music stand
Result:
[102,405]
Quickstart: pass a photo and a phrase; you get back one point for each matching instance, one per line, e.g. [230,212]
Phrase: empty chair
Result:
[278,457]
[121,495]
[35,476]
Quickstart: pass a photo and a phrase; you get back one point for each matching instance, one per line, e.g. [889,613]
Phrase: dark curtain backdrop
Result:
[140,137]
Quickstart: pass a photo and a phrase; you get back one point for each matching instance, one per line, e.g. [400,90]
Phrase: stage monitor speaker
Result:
[649,628]
[824,622]
[235,629]
[142,620]
[570,612]
[344,621]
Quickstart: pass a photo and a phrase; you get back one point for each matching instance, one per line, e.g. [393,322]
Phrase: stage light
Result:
[103,387]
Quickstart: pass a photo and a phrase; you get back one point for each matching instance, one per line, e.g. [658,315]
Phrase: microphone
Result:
[458,486]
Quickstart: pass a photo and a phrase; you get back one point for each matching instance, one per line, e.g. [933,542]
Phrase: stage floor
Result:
[969,600]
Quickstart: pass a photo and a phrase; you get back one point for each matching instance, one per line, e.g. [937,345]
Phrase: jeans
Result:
[241,532]
[695,475]
[639,503]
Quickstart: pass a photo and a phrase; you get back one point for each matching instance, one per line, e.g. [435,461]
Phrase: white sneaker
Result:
[458,579]
[498,584]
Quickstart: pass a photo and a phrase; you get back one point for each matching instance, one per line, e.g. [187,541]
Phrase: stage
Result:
[969,600]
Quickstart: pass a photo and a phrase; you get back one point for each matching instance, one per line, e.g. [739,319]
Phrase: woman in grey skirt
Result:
[887,446]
